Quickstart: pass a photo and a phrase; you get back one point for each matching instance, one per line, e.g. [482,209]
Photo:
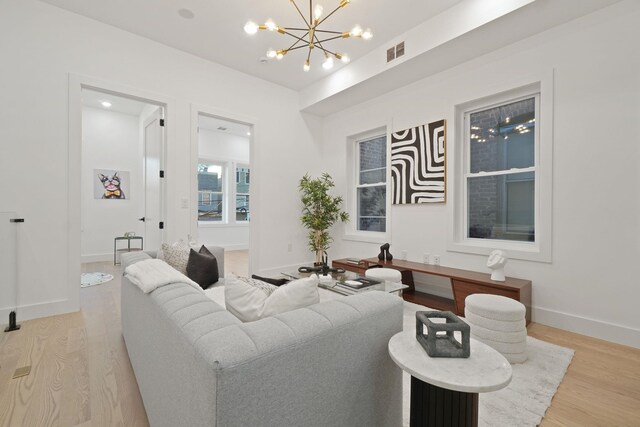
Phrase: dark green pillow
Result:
[202,267]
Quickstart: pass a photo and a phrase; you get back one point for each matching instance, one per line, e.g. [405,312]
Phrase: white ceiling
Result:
[232,128]
[216,30]
[92,98]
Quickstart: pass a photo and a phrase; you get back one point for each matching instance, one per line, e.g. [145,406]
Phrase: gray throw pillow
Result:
[202,267]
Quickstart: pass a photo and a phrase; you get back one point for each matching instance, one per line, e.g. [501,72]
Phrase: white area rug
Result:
[522,403]
[526,399]
[92,279]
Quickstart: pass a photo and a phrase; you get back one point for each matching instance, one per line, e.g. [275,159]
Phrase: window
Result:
[371,184]
[242,193]
[210,191]
[500,146]
[502,188]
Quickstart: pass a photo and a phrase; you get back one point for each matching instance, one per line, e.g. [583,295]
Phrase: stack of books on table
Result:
[356,285]
[354,261]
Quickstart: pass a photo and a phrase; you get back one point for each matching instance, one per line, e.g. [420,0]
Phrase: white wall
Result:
[591,286]
[40,46]
[215,145]
[110,140]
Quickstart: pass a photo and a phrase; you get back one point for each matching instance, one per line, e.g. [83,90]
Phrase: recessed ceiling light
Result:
[248,133]
[186,13]
[106,104]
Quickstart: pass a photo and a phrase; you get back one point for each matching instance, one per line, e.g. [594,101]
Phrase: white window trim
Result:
[541,249]
[351,229]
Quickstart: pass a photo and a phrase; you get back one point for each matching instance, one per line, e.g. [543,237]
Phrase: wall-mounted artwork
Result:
[418,164]
[110,184]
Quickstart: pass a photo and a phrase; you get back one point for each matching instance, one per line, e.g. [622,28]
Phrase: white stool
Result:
[498,322]
[383,274]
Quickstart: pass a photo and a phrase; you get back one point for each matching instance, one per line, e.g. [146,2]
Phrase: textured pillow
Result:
[177,255]
[249,303]
[202,267]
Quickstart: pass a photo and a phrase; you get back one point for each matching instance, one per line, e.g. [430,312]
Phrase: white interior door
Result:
[153,149]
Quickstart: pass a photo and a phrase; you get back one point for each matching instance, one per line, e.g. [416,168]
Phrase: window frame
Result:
[540,249]
[353,164]
[229,193]
[502,172]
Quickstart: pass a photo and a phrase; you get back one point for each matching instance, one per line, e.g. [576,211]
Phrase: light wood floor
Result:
[81,375]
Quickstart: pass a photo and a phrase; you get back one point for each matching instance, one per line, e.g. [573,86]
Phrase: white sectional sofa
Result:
[324,365]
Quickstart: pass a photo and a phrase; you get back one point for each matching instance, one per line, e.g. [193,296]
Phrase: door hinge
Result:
[161,174]
[162,122]
[161,225]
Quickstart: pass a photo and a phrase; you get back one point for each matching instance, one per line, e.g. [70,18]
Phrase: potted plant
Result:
[320,211]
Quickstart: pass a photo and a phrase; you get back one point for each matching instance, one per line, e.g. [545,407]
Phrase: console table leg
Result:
[436,406]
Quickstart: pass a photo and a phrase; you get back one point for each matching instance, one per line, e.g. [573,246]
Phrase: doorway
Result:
[224,189]
[122,150]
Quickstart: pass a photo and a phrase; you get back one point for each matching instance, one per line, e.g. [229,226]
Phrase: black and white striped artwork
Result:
[418,164]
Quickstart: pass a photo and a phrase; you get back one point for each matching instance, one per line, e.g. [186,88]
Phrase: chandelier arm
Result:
[329,39]
[325,31]
[326,17]
[319,43]
[296,29]
[296,37]
[298,9]
[308,55]
[293,46]
[296,47]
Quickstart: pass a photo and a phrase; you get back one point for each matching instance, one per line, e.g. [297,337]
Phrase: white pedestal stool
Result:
[498,322]
[383,274]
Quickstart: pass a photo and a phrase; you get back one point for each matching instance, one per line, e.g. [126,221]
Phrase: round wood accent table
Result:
[444,391]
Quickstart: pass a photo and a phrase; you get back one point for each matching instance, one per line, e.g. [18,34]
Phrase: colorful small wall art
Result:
[418,164]
[111,184]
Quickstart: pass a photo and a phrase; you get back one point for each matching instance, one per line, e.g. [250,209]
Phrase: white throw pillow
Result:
[176,255]
[250,303]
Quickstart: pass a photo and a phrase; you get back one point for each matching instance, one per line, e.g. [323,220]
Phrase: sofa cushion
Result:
[202,267]
[249,303]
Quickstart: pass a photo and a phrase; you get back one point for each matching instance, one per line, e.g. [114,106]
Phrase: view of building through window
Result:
[371,185]
[501,170]
[210,192]
[242,193]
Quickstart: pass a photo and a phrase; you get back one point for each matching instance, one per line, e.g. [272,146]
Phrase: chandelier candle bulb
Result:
[251,27]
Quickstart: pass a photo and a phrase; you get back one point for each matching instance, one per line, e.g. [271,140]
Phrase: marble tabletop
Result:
[485,370]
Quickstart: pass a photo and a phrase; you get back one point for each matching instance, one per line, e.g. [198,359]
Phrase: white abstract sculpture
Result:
[497,260]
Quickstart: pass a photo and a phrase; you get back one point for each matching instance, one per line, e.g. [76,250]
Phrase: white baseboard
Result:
[96,258]
[35,311]
[591,327]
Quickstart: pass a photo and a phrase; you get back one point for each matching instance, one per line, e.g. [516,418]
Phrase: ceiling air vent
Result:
[222,128]
[391,54]
[395,52]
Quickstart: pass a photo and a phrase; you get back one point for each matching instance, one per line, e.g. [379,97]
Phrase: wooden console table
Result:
[463,284]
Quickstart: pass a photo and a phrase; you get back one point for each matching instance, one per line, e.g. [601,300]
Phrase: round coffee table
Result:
[444,391]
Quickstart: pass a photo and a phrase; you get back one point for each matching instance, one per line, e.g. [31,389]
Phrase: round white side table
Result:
[444,391]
